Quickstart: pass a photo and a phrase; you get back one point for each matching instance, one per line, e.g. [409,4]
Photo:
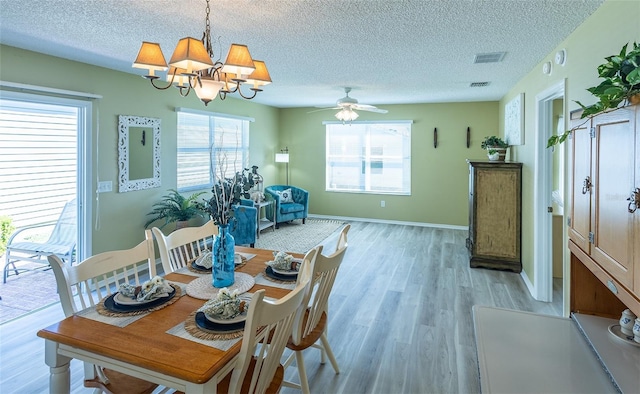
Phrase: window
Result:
[204,141]
[369,157]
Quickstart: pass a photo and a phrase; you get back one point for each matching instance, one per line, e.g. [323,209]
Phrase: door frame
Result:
[84,147]
[543,187]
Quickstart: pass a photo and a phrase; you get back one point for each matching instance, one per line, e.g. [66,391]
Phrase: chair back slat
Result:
[85,284]
[64,232]
[326,270]
[324,276]
[184,245]
[342,238]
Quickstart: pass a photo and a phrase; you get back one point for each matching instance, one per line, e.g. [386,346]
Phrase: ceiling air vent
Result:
[478,84]
[492,57]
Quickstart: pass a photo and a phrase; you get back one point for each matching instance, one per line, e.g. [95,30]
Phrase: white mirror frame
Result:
[125,184]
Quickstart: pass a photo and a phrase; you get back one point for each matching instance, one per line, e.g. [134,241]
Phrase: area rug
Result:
[296,237]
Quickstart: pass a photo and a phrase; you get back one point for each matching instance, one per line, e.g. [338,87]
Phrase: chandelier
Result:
[191,68]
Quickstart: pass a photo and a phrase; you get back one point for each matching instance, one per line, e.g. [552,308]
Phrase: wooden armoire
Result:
[604,222]
[495,215]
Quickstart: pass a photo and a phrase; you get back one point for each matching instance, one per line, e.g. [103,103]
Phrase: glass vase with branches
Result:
[227,190]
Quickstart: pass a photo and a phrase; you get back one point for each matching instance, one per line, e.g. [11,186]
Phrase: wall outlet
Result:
[382,203]
[104,187]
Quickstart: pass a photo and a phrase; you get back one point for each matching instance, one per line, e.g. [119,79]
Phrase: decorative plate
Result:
[274,275]
[285,272]
[121,299]
[617,333]
[240,318]
[205,324]
[197,267]
[110,304]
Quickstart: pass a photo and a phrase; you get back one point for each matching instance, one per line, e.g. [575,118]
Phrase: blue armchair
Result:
[245,224]
[297,208]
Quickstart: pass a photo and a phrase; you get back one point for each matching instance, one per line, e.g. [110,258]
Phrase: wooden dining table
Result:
[144,348]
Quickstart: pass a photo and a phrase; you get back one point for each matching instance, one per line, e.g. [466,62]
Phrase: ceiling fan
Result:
[348,104]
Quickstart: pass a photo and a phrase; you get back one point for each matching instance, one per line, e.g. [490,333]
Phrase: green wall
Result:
[122,215]
[614,24]
[439,176]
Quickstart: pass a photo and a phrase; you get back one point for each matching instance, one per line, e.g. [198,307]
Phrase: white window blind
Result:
[369,157]
[38,155]
[207,144]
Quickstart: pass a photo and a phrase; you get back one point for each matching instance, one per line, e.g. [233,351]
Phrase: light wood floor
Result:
[400,318]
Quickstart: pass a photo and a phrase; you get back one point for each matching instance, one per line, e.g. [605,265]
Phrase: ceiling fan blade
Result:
[322,109]
[370,108]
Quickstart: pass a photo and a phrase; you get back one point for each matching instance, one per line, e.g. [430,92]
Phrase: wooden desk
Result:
[144,348]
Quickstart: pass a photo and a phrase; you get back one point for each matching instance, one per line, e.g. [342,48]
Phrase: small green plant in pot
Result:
[496,148]
[620,85]
[174,207]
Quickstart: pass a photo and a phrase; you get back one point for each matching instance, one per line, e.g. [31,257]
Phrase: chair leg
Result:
[304,220]
[327,348]
[302,373]
[6,269]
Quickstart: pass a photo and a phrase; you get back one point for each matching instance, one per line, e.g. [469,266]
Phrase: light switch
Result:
[105,186]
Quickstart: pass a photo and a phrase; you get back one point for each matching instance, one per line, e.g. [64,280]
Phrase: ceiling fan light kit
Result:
[191,67]
[347,115]
[347,106]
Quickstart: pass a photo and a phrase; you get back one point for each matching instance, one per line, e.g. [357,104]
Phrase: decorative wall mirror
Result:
[138,153]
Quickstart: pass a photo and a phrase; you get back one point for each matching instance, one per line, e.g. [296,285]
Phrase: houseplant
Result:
[620,85]
[6,229]
[174,207]
[496,148]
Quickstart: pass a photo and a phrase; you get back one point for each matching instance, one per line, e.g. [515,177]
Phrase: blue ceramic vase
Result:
[223,255]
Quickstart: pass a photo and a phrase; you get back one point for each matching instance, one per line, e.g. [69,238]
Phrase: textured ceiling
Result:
[389,51]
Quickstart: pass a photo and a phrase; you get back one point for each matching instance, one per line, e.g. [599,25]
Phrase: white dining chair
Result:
[266,332]
[83,285]
[342,238]
[182,246]
[313,327]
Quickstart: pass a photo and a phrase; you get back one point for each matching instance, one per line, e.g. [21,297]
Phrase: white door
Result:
[43,160]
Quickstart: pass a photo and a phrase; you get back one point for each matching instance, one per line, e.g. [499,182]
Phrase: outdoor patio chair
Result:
[84,285]
[61,242]
[311,330]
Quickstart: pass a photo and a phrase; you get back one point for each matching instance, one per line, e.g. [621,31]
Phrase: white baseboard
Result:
[418,224]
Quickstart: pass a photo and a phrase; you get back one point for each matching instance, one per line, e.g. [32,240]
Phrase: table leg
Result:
[208,388]
[59,378]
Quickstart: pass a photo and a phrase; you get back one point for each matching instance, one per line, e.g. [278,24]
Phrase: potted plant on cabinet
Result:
[496,148]
[620,85]
[174,207]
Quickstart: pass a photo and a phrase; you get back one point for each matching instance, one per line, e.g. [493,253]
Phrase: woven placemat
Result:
[101,309]
[196,331]
[202,289]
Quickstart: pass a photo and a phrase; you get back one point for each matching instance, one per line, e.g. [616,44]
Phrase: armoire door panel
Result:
[611,223]
[581,179]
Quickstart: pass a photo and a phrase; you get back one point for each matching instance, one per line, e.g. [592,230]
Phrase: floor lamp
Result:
[283,157]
